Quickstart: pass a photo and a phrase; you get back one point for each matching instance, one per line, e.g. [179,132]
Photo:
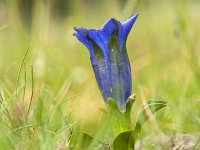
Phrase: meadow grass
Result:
[48,89]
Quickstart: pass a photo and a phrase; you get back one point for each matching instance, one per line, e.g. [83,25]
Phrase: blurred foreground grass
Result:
[57,82]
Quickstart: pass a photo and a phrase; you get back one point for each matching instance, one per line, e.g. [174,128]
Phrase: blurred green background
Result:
[163,49]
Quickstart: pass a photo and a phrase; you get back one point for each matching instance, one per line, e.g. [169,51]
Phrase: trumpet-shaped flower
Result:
[109,59]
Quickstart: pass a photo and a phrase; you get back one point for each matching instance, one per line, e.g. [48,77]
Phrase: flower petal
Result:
[127,25]
[100,41]
[126,74]
[99,38]
[109,27]
[118,91]
[82,36]
[101,72]
[125,28]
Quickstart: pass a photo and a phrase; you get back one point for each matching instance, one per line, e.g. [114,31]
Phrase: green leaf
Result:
[124,140]
[151,105]
[130,103]
[82,140]
[119,121]
[112,105]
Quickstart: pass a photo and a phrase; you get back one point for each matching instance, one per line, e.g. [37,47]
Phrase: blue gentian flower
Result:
[109,59]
